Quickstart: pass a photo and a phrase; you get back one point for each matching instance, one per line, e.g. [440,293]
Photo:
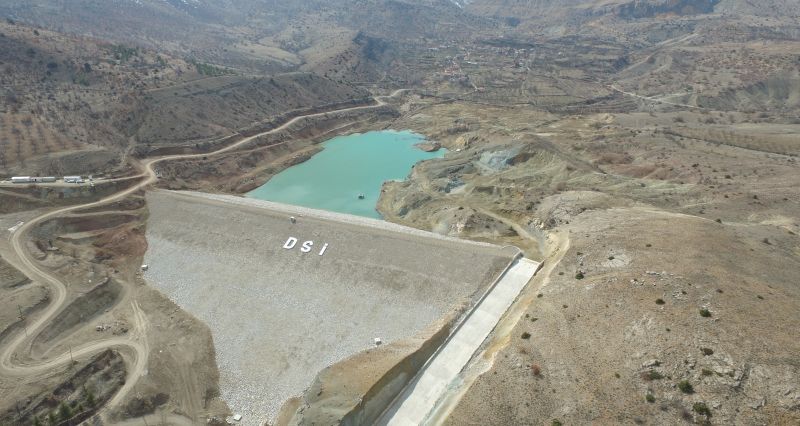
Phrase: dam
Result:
[286,298]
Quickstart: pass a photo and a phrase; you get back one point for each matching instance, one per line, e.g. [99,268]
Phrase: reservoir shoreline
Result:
[347,175]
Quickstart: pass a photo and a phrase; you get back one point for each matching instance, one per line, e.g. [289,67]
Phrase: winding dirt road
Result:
[137,342]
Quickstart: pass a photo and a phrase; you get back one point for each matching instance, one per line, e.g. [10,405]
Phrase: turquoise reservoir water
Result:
[348,166]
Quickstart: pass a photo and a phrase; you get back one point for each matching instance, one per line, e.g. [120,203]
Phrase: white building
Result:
[43,179]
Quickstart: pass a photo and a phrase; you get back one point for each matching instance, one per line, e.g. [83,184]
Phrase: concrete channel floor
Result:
[419,398]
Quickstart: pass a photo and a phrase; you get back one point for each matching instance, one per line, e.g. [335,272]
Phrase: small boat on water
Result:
[361,196]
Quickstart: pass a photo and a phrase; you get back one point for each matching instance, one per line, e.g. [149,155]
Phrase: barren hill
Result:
[76,104]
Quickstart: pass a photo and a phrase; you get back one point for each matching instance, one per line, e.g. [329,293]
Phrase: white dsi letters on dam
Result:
[306,247]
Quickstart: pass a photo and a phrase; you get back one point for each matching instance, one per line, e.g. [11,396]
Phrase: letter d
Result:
[290,243]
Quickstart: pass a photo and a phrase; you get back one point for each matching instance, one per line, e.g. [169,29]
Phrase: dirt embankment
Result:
[357,390]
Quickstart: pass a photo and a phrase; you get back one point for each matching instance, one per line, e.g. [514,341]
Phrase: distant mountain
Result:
[565,10]
[258,35]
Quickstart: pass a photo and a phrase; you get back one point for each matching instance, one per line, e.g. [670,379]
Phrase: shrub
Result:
[610,257]
[702,409]
[536,370]
[707,372]
[526,335]
[707,351]
[652,375]
[64,412]
[660,301]
[555,422]
[705,313]
[650,398]
[685,387]
[579,275]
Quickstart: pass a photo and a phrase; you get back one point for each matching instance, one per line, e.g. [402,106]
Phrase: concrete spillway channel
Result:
[418,399]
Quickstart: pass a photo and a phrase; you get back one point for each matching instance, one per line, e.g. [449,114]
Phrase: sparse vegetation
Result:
[123,53]
[651,375]
[208,69]
[705,313]
[685,387]
[650,398]
[702,409]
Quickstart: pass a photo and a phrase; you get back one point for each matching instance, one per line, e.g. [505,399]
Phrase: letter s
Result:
[306,246]
[290,243]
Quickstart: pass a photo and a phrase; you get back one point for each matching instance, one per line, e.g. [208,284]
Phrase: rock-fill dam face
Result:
[286,298]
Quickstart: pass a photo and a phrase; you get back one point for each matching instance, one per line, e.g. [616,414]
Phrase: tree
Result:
[64,412]
[90,399]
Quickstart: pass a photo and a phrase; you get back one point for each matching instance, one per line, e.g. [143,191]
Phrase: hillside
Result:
[257,35]
[77,105]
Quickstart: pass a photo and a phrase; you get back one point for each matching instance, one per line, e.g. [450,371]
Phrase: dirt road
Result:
[653,99]
[137,343]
